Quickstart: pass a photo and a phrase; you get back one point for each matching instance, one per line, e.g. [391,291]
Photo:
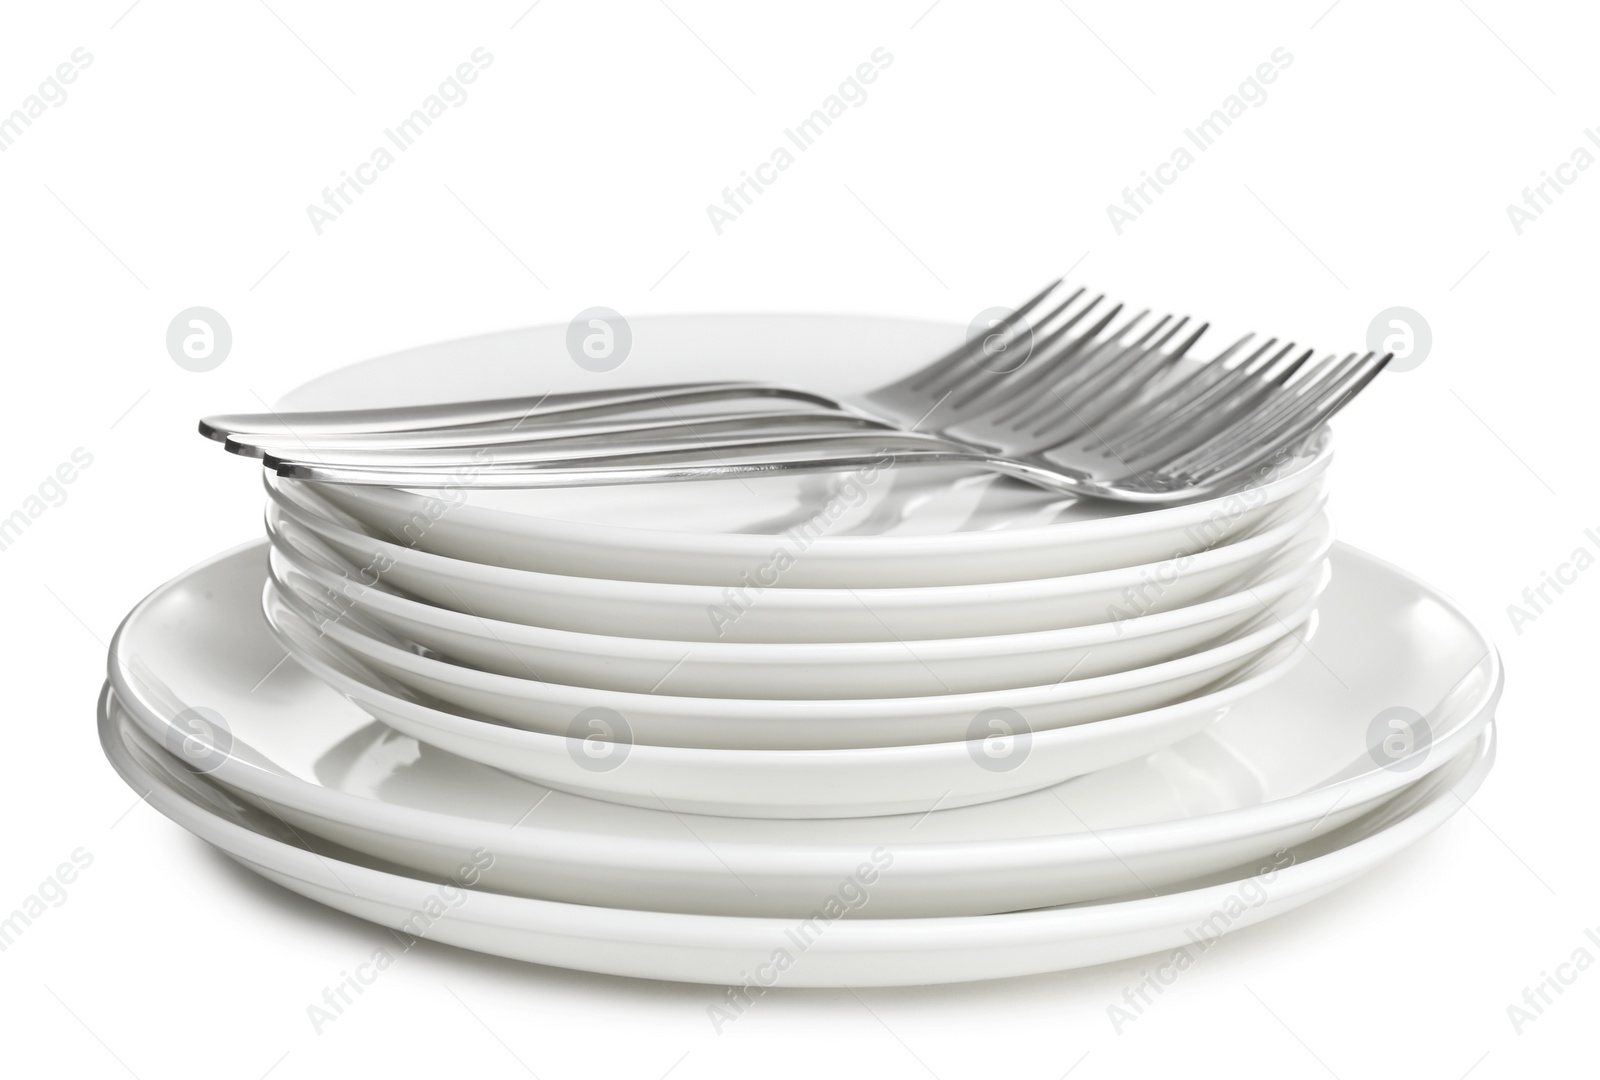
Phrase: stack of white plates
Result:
[888,727]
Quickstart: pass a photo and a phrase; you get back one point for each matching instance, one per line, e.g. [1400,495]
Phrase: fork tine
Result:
[1283,377]
[944,374]
[1236,394]
[1138,411]
[1296,426]
[1234,416]
[1100,344]
[1207,385]
[969,379]
[1058,354]
[1277,414]
[1083,393]
[1049,352]
[1261,415]
[1107,398]
[1196,399]
[922,377]
[1106,352]
[1043,409]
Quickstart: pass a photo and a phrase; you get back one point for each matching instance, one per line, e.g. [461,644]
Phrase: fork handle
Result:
[253,429]
[844,452]
[552,445]
[683,449]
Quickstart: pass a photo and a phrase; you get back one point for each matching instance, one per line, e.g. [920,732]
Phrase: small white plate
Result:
[824,757]
[819,949]
[892,528]
[757,614]
[1288,760]
[469,645]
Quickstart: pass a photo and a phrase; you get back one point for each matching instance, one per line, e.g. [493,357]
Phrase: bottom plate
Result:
[760,953]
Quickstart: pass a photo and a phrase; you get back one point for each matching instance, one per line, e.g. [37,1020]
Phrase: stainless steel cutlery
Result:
[1100,406]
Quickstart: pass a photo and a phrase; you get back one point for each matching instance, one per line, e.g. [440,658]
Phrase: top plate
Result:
[905,527]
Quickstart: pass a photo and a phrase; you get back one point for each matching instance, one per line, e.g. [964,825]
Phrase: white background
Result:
[1377,173]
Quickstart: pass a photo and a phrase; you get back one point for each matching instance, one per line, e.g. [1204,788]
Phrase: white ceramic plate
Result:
[818,950]
[1287,761]
[757,614]
[531,656]
[795,758]
[905,527]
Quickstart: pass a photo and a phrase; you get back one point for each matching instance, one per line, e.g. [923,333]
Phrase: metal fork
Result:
[939,400]
[951,383]
[1113,420]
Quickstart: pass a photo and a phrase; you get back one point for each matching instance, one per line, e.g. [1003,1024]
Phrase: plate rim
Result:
[1318,527]
[1206,827]
[483,573]
[945,933]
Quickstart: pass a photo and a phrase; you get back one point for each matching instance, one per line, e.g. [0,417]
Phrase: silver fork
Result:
[938,400]
[600,417]
[1116,422]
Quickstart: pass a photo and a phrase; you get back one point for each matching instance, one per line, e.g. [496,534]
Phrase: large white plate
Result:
[894,527]
[1287,761]
[484,663]
[761,611]
[817,950]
